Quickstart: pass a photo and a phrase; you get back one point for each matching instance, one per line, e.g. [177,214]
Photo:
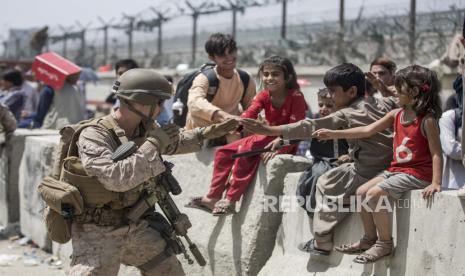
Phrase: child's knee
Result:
[373,194]
[361,192]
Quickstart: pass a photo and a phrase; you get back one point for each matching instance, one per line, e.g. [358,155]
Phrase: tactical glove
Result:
[163,136]
[172,130]
[218,130]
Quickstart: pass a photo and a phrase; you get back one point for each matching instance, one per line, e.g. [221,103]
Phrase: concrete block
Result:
[427,237]
[10,157]
[36,163]
[234,245]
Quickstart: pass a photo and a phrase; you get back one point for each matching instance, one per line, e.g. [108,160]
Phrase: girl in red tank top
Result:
[411,148]
[416,164]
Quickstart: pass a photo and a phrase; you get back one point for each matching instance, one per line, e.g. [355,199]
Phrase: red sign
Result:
[53,69]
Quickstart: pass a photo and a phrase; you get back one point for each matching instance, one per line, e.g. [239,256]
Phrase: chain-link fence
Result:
[365,36]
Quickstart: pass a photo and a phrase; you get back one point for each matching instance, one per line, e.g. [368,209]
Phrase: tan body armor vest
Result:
[72,170]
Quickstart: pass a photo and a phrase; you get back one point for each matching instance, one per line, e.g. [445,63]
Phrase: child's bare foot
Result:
[224,207]
[315,248]
[203,203]
[379,250]
[356,247]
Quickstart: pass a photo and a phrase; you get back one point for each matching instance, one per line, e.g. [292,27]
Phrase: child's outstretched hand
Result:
[267,156]
[256,126]
[275,145]
[324,134]
[429,191]
[379,85]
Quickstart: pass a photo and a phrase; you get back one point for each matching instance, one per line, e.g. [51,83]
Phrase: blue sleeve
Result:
[163,118]
[45,101]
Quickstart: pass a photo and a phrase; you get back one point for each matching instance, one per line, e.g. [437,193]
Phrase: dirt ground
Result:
[17,259]
[27,260]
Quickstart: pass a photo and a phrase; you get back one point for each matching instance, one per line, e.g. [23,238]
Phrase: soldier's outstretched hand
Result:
[172,130]
[220,129]
[164,136]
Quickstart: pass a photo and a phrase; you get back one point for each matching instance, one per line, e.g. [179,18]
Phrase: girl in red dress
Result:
[283,103]
[416,164]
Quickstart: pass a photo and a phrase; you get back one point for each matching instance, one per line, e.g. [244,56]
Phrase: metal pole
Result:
[17,48]
[83,42]
[194,36]
[5,49]
[130,29]
[234,21]
[412,31]
[105,45]
[159,42]
[65,39]
[284,19]
[341,32]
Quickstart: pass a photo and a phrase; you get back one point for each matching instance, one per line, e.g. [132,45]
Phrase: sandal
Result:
[196,203]
[378,251]
[223,208]
[353,248]
[309,247]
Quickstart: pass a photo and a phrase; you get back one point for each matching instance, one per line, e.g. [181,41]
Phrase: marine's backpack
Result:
[182,89]
[64,201]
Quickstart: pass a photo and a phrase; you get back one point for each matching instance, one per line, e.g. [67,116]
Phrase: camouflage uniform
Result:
[99,250]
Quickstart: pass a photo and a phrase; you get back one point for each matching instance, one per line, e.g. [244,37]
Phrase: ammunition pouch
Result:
[58,194]
[58,228]
[158,222]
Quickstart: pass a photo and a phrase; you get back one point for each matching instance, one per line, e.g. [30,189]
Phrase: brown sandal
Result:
[378,251]
[352,248]
[224,207]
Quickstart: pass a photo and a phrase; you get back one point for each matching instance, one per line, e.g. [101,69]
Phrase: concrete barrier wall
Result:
[10,155]
[242,243]
[429,238]
[36,163]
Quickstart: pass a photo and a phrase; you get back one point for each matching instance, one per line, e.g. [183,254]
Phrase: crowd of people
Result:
[35,104]
[377,135]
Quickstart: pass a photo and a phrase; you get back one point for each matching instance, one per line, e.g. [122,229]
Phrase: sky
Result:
[55,13]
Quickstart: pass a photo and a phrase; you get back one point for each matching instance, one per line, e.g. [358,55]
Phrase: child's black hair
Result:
[386,63]
[126,63]
[346,75]
[14,76]
[427,84]
[286,66]
[218,43]
[323,93]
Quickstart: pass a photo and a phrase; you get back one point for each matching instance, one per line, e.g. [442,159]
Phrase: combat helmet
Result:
[144,86]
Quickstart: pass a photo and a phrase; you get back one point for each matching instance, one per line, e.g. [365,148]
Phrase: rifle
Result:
[258,151]
[158,191]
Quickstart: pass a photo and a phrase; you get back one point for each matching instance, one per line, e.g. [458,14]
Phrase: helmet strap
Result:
[145,119]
